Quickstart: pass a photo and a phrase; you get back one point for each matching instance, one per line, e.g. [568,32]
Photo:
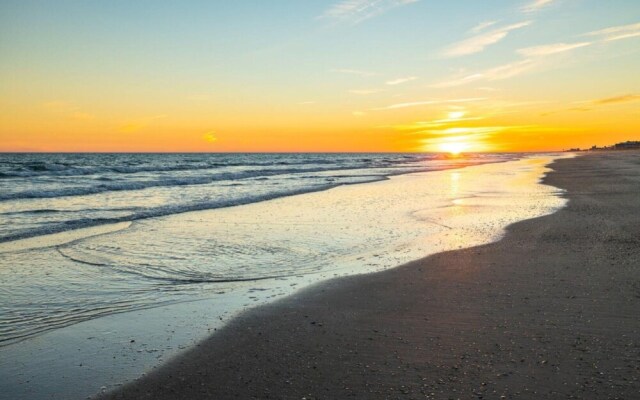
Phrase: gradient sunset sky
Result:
[318,75]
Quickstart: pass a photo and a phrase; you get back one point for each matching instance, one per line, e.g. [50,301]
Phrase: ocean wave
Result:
[168,210]
[34,169]
[162,182]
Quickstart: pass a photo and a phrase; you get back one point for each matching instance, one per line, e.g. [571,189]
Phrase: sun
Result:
[453,148]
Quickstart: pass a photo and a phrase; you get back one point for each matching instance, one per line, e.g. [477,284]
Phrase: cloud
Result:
[209,137]
[471,131]
[533,55]
[482,26]
[590,104]
[456,115]
[460,81]
[358,72]
[356,11]
[364,92]
[428,102]
[549,49]
[479,42]
[358,114]
[494,74]
[626,98]
[401,80]
[455,118]
[509,70]
[616,32]
[477,137]
[409,104]
[487,89]
[536,5]
[455,140]
[307,103]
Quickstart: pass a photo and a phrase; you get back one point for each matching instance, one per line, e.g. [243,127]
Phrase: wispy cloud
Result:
[589,105]
[478,138]
[401,80]
[602,36]
[465,131]
[549,49]
[459,81]
[536,5]
[459,139]
[510,70]
[364,74]
[458,131]
[626,98]
[356,11]
[616,32]
[453,118]
[428,102]
[479,42]
[482,26]
[364,92]
[408,104]
[501,72]
[487,89]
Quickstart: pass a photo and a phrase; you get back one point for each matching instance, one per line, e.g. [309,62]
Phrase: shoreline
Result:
[534,315]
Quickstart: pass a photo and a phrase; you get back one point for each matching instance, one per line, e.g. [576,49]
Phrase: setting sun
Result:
[454,148]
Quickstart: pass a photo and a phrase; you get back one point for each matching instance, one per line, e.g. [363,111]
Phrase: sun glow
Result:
[456,114]
[453,148]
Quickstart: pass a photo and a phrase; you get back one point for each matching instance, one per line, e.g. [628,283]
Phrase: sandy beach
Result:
[549,311]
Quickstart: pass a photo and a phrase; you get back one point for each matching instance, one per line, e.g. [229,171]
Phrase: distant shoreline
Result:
[622,146]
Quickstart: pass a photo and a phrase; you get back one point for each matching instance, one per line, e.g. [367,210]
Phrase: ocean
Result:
[48,193]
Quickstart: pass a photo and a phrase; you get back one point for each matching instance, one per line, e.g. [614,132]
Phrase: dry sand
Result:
[550,311]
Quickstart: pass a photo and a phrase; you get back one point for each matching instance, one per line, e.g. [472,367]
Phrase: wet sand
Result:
[550,311]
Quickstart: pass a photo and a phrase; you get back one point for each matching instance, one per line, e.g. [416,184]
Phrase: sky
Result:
[318,75]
